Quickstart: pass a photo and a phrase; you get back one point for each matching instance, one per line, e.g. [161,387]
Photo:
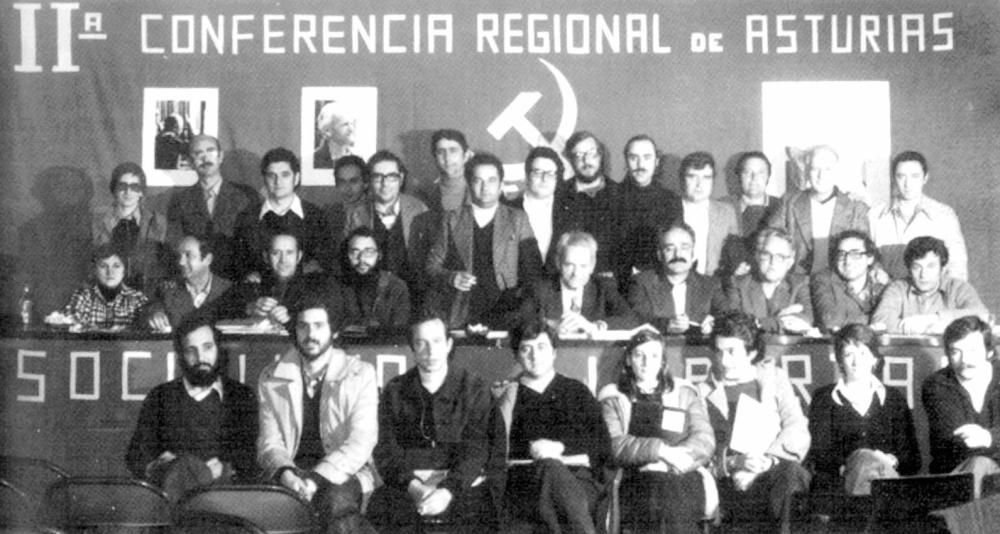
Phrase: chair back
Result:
[32,476]
[274,509]
[202,522]
[902,504]
[105,502]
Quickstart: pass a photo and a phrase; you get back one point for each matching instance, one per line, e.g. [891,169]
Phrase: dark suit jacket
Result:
[795,216]
[187,214]
[516,259]
[560,225]
[156,429]
[419,225]
[173,299]
[948,407]
[746,295]
[391,309]
[834,305]
[649,295]
[601,302]
[252,238]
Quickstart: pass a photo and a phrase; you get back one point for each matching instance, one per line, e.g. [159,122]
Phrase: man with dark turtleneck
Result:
[374,298]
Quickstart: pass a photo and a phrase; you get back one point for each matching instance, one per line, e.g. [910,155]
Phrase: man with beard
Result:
[673,297]
[374,298]
[209,207]
[645,207]
[962,402]
[198,429]
[319,420]
[591,201]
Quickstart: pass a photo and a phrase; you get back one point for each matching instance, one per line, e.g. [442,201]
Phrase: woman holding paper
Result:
[861,429]
[661,435]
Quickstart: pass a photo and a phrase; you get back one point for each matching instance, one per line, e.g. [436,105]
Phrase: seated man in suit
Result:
[484,253]
[777,297]
[375,298]
[716,229]
[927,300]
[574,302]
[198,429]
[674,297]
[435,449]
[210,207]
[197,287]
[751,481]
[557,442]
[812,216]
[848,291]
[280,288]
[962,402]
[401,223]
[282,212]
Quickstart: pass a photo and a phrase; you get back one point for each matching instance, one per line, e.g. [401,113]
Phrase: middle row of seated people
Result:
[442,446]
[485,256]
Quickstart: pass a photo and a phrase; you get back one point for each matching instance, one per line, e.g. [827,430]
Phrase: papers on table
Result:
[576,460]
[754,427]
[251,326]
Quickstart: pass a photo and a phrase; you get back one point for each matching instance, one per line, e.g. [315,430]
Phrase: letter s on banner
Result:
[39,396]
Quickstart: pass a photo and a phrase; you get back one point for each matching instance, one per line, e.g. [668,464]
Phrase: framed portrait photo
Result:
[336,122]
[171,117]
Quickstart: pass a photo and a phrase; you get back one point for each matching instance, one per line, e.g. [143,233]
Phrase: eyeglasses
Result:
[769,257]
[392,177]
[537,174]
[122,187]
[367,253]
[853,255]
[590,154]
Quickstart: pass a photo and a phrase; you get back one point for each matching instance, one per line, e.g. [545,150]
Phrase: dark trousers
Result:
[662,503]
[551,493]
[391,509]
[185,473]
[768,499]
[339,505]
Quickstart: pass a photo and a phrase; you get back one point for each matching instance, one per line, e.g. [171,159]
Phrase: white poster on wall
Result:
[851,117]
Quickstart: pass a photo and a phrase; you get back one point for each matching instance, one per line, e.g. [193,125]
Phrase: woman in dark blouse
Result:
[661,435]
[858,413]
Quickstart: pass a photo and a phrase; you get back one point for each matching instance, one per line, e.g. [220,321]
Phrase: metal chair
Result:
[274,509]
[96,503]
[203,522]
[32,476]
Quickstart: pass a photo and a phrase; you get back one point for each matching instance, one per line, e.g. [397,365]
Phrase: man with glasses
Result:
[777,297]
[674,297]
[282,212]
[543,171]
[591,201]
[645,206]
[376,299]
[848,291]
[401,223]
[716,230]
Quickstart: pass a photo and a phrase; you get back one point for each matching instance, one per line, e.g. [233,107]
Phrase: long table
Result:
[74,399]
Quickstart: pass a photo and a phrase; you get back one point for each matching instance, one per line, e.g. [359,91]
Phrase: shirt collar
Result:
[391,212]
[199,394]
[878,388]
[295,207]
[592,188]
[920,207]
[483,216]
[317,368]
[214,188]
[198,291]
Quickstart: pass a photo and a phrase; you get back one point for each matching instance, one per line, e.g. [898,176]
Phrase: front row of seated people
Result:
[541,449]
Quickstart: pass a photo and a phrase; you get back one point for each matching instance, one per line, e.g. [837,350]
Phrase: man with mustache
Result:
[198,429]
[591,201]
[962,402]
[646,205]
[673,297]
[375,298]
[319,420]
[209,207]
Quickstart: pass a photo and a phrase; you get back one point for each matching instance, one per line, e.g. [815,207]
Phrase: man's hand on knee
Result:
[435,503]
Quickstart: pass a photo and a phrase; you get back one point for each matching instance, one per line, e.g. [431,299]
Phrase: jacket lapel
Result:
[462,235]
